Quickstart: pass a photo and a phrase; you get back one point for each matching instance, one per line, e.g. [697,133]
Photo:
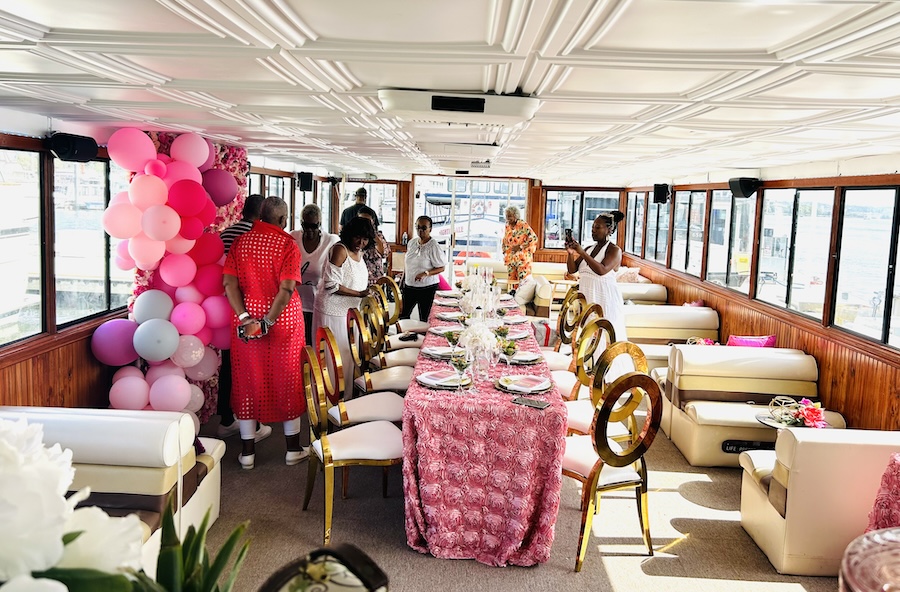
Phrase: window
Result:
[657,232]
[325,205]
[576,210]
[719,237]
[277,187]
[864,264]
[688,234]
[381,197]
[255,184]
[634,223]
[595,202]
[743,231]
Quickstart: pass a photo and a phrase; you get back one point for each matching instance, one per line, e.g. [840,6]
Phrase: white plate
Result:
[518,335]
[439,352]
[445,329]
[507,297]
[443,379]
[522,357]
[491,323]
[525,383]
[449,294]
[517,320]
[450,316]
[506,304]
[451,303]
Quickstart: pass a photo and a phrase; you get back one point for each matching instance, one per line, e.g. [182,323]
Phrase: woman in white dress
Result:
[596,268]
[314,248]
[345,281]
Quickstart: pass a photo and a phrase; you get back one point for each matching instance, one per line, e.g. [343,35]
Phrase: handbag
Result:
[341,568]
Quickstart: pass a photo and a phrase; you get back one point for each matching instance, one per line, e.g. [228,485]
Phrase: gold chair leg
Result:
[644,515]
[329,501]
[311,470]
[345,482]
[587,518]
[384,477]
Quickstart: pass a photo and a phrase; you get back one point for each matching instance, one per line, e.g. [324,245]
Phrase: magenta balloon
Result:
[189,293]
[207,367]
[208,214]
[191,228]
[111,342]
[147,190]
[205,335]
[187,197]
[211,159]
[188,317]
[120,197]
[126,371]
[221,186]
[209,248]
[179,245]
[130,148]
[156,168]
[177,270]
[209,279]
[164,158]
[218,312]
[157,283]
[221,337]
[164,368]
[178,170]
[143,249]
[161,223]
[190,148]
[131,392]
[170,393]
[190,351]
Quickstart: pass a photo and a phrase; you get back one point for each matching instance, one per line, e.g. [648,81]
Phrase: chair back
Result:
[585,348]
[390,287]
[609,407]
[360,339]
[331,364]
[628,404]
[314,389]
[373,313]
[573,305]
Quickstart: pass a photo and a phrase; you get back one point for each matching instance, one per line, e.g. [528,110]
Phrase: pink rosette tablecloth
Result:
[481,475]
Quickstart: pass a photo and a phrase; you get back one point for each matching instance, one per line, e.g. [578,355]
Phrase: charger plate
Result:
[505,382]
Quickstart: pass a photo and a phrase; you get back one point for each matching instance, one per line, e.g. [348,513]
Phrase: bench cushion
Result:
[640,293]
[742,361]
[671,317]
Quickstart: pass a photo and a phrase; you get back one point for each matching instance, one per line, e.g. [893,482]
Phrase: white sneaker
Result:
[246,461]
[224,431]
[262,432]
[294,457]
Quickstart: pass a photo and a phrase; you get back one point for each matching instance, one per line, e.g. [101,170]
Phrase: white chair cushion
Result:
[373,440]
[556,360]
[394,343]
[397,378]
[580,415]
[580,457]
[413,325]
[371,407]
[566,381]
[401,357]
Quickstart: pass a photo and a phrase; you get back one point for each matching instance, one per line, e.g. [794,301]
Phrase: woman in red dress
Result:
[261,271]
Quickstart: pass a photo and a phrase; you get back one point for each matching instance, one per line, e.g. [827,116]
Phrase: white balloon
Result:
[155,340]
[197,399]
[196,421]
[152,304]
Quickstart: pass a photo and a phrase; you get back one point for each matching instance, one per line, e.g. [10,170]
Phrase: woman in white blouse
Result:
[314,247]
[424,263]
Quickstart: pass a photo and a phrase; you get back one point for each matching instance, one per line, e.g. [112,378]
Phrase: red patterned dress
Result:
[267,379]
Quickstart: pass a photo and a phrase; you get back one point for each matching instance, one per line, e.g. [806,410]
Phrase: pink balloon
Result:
[221,337]
[120,197]
[191,228]
[190,148]
[161,223]
[218,312]
[126,371]
[190,351]
[208,249]
[205,335]
[131,392]
[122,249]
[178,170]
[147,190]
[112,344]
[122,220]
[221,186]
[158,283]
[155,167]
[170,393]
[177,270]
[211,159]
[164,158]
[124,263]
[187,197]
[189,293]
[188,317]
[208,214]
[143,249]
[209,279]
[206,368]
[197,399]
[130,148]
[146,266]
[179,245]
[164,368]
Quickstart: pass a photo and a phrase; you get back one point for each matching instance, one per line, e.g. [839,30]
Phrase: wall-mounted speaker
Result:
[305,181]
[744,186]
[72,148]
[660,193]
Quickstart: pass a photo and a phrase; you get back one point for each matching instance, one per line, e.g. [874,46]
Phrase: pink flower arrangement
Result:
[805,413]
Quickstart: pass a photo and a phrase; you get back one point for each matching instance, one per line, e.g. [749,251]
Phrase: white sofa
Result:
[714,393]
[805,501]
[134,462]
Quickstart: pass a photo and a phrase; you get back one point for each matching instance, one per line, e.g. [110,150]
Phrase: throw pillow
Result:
[443,284]
[698,302]
[628,275]
[752,340]
[525,291]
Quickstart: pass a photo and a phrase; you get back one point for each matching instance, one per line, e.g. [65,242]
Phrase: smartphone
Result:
[248,331]
[568,235]
[531,402]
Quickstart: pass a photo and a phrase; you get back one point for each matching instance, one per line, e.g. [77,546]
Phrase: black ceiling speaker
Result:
[744,186]
[72,148]
[660,193]
[305,181]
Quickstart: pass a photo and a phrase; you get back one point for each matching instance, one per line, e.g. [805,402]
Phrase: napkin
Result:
[445,329]
[521,357]
[517,335]
[527,384]
[517,320]
[439,377]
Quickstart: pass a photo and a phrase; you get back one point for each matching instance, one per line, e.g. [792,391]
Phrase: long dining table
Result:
[481,475]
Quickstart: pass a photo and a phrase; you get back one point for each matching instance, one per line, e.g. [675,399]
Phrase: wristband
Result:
[243,315]
[267,322]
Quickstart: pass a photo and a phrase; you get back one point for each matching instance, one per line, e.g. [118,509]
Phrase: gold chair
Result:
[570,314]
[388,286]
[374,443]
[575,382]
[602,463]
[376,319]
[367,377]
[372,313]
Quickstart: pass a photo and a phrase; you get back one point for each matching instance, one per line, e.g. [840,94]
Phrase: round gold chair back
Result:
[314,389]
[373,313]
[587,341]
[358,335]
[331,364]
[641,438]
[626,407]
[389,286]
[570,314]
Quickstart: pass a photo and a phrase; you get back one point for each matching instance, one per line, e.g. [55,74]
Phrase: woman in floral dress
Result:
[519,244]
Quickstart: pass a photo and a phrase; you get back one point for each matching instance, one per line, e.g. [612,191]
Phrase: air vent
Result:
[462,172]
[423,105]
[481,164]
[465,104]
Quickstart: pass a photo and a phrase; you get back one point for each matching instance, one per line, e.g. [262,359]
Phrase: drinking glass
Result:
[452,339]
[460,361]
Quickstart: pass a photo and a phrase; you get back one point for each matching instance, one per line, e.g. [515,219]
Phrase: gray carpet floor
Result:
[694,519]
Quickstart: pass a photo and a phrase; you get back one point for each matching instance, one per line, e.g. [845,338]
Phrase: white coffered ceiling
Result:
[630,91]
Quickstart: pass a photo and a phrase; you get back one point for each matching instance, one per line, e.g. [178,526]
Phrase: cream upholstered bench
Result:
[647,323]
[805,501]
[643,293]
[135,462]
[714,393]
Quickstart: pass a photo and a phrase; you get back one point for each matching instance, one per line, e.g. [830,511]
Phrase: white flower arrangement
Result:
[478,337]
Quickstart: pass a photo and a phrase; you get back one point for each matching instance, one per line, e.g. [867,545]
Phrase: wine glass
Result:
[452,339]
[501,312]
[460,361]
